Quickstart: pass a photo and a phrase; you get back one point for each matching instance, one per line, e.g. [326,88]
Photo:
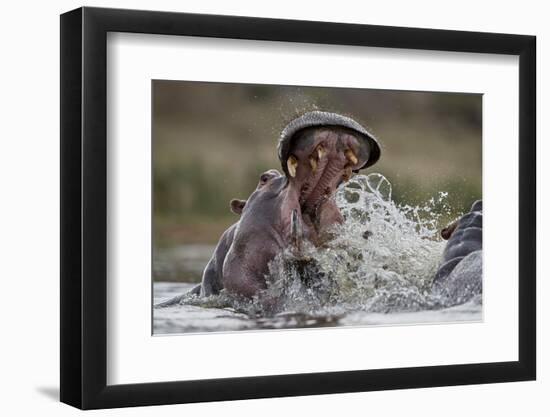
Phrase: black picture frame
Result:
[84,207]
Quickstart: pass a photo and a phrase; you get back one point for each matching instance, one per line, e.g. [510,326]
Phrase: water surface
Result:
[377,270]
[184,318]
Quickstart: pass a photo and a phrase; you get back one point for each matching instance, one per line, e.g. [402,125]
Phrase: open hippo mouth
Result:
[318,151]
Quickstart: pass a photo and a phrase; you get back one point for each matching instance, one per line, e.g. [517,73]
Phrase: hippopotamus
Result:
[318,151]
[459,278]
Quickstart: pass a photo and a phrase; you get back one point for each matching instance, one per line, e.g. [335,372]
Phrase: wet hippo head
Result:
[318,151]
[263,231]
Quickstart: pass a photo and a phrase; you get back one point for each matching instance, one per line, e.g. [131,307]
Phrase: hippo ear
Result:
[237,206]
[447,232]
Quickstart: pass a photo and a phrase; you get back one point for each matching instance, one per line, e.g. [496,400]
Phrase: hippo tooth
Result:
[320,151]
[313,163]
[347,173]
[351,156]
[291,164]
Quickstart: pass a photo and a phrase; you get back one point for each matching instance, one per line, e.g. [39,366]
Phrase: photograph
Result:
[275,209]
[284,207]
[258,207]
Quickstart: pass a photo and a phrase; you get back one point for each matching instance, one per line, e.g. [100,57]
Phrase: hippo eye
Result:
[264,178]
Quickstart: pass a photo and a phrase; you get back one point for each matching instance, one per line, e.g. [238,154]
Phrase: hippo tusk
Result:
[320,151]
[296,231]
[347,173]
[350,156]
[313,164]
[292,164]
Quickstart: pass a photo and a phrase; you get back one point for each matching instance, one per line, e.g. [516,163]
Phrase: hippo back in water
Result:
[459,278]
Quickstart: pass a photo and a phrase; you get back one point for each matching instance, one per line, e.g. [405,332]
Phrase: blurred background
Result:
[211,141]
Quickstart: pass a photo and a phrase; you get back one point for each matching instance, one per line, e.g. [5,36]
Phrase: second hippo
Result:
[459,278]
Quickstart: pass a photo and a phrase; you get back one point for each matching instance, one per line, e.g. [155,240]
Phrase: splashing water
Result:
[382,259]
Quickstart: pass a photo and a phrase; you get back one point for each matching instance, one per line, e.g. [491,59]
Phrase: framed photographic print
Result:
[257,208]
